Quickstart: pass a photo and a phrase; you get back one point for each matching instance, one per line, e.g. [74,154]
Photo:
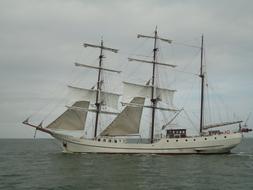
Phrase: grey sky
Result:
[41,39]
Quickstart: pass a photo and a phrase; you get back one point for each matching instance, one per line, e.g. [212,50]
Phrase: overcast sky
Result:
[40,40]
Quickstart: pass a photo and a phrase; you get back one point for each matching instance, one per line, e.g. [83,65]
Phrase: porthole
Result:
[167,140]
[225,136]
[109,140]
[115,141]
[186,140]
[98,140]
[194,139]
[176,140]
[205,138]
[104,140]
[215,137]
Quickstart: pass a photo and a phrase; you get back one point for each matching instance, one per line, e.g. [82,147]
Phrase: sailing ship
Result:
[119,135]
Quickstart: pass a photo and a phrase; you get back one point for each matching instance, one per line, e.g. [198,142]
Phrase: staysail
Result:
[128,121]
[71,119]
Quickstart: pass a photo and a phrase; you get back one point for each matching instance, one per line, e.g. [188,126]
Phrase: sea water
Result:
[40,164]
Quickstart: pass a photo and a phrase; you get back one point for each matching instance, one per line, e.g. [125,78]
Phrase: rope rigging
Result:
[161,80]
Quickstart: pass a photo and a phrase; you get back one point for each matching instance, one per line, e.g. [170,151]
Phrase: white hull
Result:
[214,144]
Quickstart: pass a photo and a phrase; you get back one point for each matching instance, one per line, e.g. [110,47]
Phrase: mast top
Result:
[155,37]
[100,47]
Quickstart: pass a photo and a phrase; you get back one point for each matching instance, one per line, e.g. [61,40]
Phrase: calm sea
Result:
[39,164]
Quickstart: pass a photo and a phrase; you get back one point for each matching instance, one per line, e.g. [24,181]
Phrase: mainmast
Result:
[100,68]
[154,62]
[153,98]
[202,76]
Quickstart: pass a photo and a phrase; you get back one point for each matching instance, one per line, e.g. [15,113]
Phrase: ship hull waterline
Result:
[215,144]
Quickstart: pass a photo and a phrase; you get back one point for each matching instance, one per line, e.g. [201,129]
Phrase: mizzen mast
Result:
[202,76]
[100,68]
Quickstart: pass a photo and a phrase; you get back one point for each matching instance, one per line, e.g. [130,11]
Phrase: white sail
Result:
[136,90]
[108,98]
[128,121]
[71,119]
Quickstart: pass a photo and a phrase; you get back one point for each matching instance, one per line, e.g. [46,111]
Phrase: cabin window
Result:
[167,140]
[109,140]
[186,140]
[176,133]
[176,140]
[225,136]
[98,139]
[194,139]
[115,141]
[205,138]
[215,137]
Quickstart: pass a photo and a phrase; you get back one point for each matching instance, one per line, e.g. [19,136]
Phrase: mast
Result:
[153,98]
[99,81]
[98,89]
[202,76]
[153,87]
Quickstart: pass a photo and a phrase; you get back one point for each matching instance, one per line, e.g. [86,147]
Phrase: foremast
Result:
[100,68]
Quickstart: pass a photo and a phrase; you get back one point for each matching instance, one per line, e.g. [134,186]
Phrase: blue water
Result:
[39,164]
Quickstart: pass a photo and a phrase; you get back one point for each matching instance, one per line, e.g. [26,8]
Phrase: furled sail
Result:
[108,98]
[71,119]
[128,121]
[136,90]
[220,124]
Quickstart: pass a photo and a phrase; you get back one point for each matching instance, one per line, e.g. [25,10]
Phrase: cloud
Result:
[40,40]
